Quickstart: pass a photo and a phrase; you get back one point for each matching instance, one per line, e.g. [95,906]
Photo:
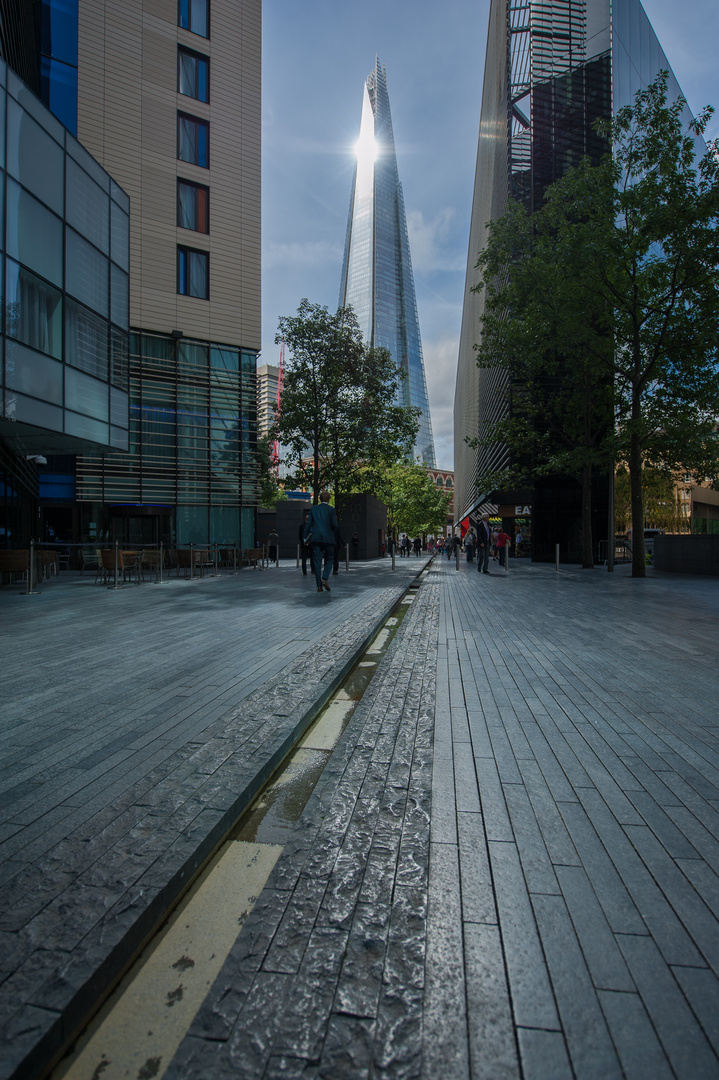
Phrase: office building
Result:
[552,68]
[65,252]
[377,276]
[166,97]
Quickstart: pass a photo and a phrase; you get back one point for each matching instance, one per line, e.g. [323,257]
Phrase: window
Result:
[33,311]
[193,206]
[193,75]
[194,15]
[193,277]
[193,140]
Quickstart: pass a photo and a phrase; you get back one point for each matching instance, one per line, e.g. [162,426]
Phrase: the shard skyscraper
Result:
[377,270]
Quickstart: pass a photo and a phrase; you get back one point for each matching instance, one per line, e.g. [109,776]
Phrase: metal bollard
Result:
[347,556]
[116,585]
[159,580]
[456,558]
[298,556]
[556,557]
[394,567]
[31,590]
[192,561]
[216,572]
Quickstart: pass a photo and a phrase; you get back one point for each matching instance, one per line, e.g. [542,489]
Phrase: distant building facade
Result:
[268,380]
[552,68]
[377,276]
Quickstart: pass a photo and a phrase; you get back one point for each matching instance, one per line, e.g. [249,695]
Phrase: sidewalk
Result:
[136,725]
[544,907]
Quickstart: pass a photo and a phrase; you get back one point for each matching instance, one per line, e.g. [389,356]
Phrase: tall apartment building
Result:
[552,68]
[268,380]
[377,275]
[169,102]
[165,96]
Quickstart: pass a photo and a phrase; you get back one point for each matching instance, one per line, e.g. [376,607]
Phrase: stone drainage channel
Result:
[136,1033]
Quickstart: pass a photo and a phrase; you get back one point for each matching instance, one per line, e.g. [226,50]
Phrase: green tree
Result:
[632,299]
[415,505]
[339,422]
[270,490]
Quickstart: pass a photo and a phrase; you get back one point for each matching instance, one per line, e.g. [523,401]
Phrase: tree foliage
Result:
[617,282]
[339,423]
[271,491]
[415,504]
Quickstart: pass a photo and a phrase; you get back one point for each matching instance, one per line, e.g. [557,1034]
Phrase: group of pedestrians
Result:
[320,537]
[486,542]
[406,546]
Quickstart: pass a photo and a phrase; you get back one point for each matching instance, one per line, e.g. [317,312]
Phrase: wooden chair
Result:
[13,563]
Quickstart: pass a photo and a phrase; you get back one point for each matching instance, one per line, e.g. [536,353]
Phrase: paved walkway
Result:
[546,907]
[509,868]
[135,726]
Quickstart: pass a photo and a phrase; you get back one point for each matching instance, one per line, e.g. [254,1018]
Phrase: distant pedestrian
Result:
[354,544]
[484,543]
[273,543]
[504,541]
[320,532]
[470,543]
[304,549]
[418,545]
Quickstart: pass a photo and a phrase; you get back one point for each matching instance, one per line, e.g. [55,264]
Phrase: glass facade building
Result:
[377,279]
[64,338]
[552,68]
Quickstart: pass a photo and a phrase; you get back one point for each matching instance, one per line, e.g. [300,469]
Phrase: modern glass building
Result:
[552,68]
[377,276]
[64,337]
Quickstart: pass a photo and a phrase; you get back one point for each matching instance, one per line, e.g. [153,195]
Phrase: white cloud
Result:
[294,256]
[440,365]
[432,243]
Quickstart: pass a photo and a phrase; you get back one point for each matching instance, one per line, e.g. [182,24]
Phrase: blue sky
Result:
[317,54]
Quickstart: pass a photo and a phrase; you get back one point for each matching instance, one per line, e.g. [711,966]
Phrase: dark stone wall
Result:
[366,516]
[286,518]
[687,554]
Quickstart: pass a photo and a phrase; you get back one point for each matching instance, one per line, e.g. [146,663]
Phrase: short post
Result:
[234,559]
[456,557]
[215,558]
[347,556]
[277,554]
[556,557]
[394,550]
[506,558]
[298,556]
[158,579]
[31,590]
[117,559]
[192,560]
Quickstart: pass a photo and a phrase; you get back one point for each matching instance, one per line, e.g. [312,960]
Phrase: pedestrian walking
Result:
[418,546]
[504,541]
[273,542]
[320,533]
[470,543]
[484,543]
[304,549]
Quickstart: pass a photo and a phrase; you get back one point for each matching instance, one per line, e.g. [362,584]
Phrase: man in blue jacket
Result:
[320,533]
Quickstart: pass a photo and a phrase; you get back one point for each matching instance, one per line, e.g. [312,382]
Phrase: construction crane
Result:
[275,448]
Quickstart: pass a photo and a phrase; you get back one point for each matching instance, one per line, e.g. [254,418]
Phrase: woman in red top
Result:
[503,542]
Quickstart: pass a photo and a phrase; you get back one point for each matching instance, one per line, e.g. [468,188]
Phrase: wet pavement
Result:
[500,860]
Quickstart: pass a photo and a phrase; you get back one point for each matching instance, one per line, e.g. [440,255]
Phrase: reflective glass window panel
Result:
[193,75]
[194,16]
[2,126]
[87,395]
[34,234]
[193,276]
[58,83]
[33,157]
[87,207]
[86,344]
[119,408]
[119,297]
[33,411]
[193,206]
[120,359]
[224,359]
[86,272]
[119,438]
[119,236]
[33,311]
[32,373]
[193,140]
[83,427]
[58,29]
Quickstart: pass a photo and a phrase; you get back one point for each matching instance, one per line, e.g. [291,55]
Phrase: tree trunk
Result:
[587,545]
[637,504]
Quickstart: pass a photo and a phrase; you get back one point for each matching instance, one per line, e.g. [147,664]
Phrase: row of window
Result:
[193,146]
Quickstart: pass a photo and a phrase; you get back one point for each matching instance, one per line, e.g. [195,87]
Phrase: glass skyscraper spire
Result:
[377,270]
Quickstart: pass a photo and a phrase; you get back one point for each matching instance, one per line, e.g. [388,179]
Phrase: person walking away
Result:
[504,541]
[320,532]
[470,542]
[304,549]
[484,543]
[273,541]
[418,546]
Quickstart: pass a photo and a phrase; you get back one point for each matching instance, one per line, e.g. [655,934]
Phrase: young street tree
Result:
[415,505]
[338,419]
[627,279]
